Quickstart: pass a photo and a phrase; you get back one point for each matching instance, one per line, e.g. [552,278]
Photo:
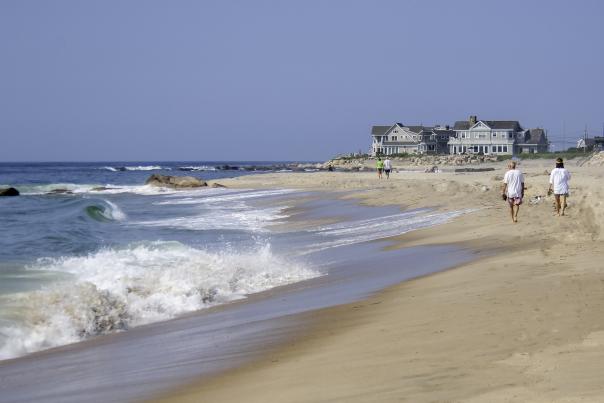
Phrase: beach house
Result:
[475,136]
[472,136]
[534,141]
[402,139]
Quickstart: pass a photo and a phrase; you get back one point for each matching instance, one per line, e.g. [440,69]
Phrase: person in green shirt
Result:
[380,167]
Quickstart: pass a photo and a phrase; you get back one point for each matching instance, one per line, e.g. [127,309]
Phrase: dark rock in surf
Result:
[217,185]
[175,182]
[9,192]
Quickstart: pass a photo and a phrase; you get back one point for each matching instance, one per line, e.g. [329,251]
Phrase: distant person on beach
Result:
[380,167]
[387,167]
[558,184]
[512,189]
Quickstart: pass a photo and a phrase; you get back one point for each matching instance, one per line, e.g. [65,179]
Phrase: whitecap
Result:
[115,289]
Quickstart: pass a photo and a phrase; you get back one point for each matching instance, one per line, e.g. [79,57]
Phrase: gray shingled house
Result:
[472,136]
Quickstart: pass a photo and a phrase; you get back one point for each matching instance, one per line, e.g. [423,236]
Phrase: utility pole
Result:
[585,140]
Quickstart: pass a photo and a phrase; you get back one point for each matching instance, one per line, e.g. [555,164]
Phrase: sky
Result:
[143,80]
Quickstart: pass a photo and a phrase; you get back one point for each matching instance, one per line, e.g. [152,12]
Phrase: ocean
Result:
[91,258]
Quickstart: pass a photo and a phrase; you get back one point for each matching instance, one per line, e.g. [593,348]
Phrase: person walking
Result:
[512,189]
[387,167]
[558,184]
[380,167]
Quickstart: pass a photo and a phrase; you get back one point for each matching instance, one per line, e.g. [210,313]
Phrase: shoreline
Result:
[523,324]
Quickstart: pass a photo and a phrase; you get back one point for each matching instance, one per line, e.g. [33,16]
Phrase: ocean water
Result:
[89,250]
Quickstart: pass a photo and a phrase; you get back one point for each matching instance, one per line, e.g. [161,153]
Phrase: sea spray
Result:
[114,289]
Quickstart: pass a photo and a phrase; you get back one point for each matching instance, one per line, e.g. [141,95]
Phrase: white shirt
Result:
[559,178]
[514,179]
[387,164]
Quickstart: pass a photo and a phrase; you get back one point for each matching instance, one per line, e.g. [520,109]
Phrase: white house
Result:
[395,139]
[401,139]
[485,136]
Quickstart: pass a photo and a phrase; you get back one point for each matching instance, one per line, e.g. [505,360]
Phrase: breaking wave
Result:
[104,213]
[137,168]
[116,289]
[197,168]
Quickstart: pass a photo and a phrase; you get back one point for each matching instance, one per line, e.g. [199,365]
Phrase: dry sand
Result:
[525,324]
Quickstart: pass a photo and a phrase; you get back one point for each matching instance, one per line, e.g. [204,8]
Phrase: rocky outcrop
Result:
[9,192]
[175,182]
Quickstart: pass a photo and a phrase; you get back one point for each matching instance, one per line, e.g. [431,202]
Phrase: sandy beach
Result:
[522,323]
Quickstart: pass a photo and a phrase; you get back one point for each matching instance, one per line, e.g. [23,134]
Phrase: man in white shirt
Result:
[387,167]
[512,189]
[558,182]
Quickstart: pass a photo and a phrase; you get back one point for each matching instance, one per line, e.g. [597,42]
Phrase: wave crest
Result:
[115,289]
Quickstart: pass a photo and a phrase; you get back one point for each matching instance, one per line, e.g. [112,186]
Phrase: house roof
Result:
[379,130]
[535,136]
[493,124]
[503,124]
[461,125]
[419,129]
[447,132]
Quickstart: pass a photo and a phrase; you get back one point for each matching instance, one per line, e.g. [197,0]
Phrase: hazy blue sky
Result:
[285,80]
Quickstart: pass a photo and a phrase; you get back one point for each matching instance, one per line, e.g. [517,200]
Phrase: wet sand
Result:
[523,324]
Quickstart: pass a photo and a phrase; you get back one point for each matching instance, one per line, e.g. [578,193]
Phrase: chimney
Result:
[473,119]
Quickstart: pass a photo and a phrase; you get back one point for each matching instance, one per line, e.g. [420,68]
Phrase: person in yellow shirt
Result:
[380,167]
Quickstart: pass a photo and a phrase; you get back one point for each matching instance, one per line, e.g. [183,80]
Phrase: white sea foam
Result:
[353,232]
[223,209]
[116,289]
[146,168]
[113,212]
[53,187]
[144,190]
[224,197]
[112,169]
[198,168]
[234,218]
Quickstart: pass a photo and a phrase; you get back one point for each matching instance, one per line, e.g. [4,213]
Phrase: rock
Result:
[217,185]
[9,192]
[175,182]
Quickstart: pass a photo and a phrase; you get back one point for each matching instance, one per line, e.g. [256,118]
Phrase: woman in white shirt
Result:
[558,183]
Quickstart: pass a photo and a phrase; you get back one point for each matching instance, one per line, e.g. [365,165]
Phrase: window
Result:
[499,149]
[505,149]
